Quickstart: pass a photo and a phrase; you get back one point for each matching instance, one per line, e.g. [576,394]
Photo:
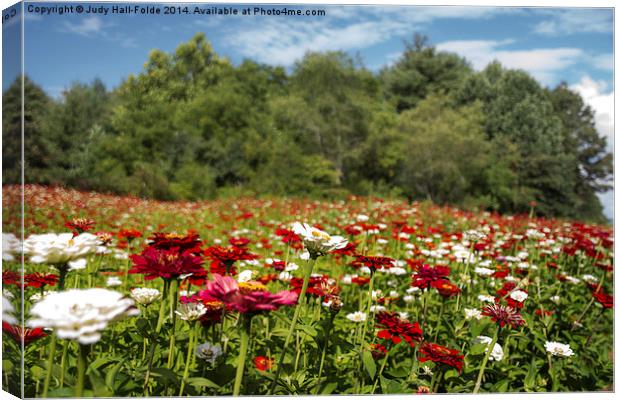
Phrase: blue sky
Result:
[553,44]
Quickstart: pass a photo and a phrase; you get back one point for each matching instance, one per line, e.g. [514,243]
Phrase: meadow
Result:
[244,296]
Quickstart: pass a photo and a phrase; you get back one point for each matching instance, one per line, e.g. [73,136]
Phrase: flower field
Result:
[130,297]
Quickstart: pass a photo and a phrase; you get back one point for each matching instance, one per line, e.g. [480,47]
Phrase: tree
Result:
[37,157]
[420,71]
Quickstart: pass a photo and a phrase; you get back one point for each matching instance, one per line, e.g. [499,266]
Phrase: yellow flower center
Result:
[249,287]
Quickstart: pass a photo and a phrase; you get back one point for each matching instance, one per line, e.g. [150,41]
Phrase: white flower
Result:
[63,248]
[555,299]
[572,280]
[7,311]
[413,289]
[397,271]
[11,247]
[245,276]
[486,298]
[316,241]
[483,271]
[497,353]
[403,314]
[208,352]
[426,370]
[285,276]
[558,349]
[114,281]
[408,298]
[471,313]
[518,295]
[377,308]
[291,267]
[362,218]
[191,311]
[357,316]
[39,296]
[81,314]
[473,235]
[145,296]
[589,278]
[347,279]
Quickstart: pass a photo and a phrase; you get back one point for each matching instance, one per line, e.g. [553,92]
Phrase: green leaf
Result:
[369,363]
[329,388]
[477,349]
[202,382]
[110,378]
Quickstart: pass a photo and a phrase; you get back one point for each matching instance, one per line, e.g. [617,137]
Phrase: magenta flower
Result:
[166,263]
[245,297]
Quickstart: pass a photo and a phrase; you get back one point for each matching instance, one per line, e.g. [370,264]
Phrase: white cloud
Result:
[575,20]
[282,41]
[603,62]
[602,104]
[541,63]
[86,27]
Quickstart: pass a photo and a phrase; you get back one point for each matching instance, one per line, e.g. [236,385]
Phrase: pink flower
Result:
[245,297]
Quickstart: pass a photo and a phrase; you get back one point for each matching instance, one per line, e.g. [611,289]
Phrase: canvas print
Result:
[294,199]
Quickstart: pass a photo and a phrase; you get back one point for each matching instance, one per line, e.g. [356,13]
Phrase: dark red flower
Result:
[38,279]
[11,278]
[166,264]
[378,351]
[319,286]
[239,241]
[606,300]
[373,262]
[397,329]
[360,280]
[427,275]
[80,225]
[129,234]
[446,288]
[166,241]
[228,256]
[504,315]
[441,355]
[263,363]
[19,333]
[288,236]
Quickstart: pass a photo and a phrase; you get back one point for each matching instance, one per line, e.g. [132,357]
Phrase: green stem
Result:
[65,347]
[325,346]
[174,287]
[443,302]
[188,360]
[50,364]
[374,386]
[485,360]
[81,369]
[162,313]
[243,349]
[301,302]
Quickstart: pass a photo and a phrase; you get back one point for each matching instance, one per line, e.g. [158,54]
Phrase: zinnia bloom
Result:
[446,288]
[145,296]
[245,297]
[316,241]
[80,225]
[558,349]
[19,333]
[606,300]
[441,355]
[208,352]
[81,314]
[167,264]
[224,257]
[59,249]
[38,280]
[397,329]
[263,363]
[504,315]
[374,262]
[427,275]
[167,241]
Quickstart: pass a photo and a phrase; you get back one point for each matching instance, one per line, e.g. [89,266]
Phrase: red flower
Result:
[373,262]
[606,300]
[445,288]
[288,236]
[263,363]
[318,286]
[166,264]
[37,280]
[166,241]
[360,280]
[11,278]
[128,234]
[19,333]
[239,242]
[397,329]
[348,250]
[504,315]
[378,351]
[441,355]
[80,225]
[427,275]
[228,255]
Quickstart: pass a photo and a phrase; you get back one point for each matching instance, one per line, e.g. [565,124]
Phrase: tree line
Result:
[191,125]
